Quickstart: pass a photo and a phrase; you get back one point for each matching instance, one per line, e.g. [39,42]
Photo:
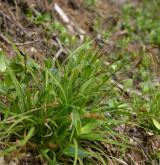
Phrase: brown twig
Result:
[26,43]
[4,38]
[73,28]
[61,49]
[128,92]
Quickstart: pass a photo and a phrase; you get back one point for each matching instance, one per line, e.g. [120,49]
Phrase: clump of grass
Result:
[56,108]
[147,112]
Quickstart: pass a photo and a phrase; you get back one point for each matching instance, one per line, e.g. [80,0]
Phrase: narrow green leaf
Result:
[76,152]
[156,124]
[70,151]
[21,143]
[3,66]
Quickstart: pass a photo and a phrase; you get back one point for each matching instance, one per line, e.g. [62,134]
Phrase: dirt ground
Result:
[17,28]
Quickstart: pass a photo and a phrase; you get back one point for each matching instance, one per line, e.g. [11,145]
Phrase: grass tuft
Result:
[56,108]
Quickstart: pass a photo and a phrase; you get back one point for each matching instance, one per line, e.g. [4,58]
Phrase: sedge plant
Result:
[54,109]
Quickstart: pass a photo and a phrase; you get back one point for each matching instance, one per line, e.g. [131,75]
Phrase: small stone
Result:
[13,162]
[33,50]
[2,161]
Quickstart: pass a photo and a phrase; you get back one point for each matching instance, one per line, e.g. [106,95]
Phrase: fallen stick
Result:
[128,92]
[26,43]
[4,38]
[60,51]
[70,25]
